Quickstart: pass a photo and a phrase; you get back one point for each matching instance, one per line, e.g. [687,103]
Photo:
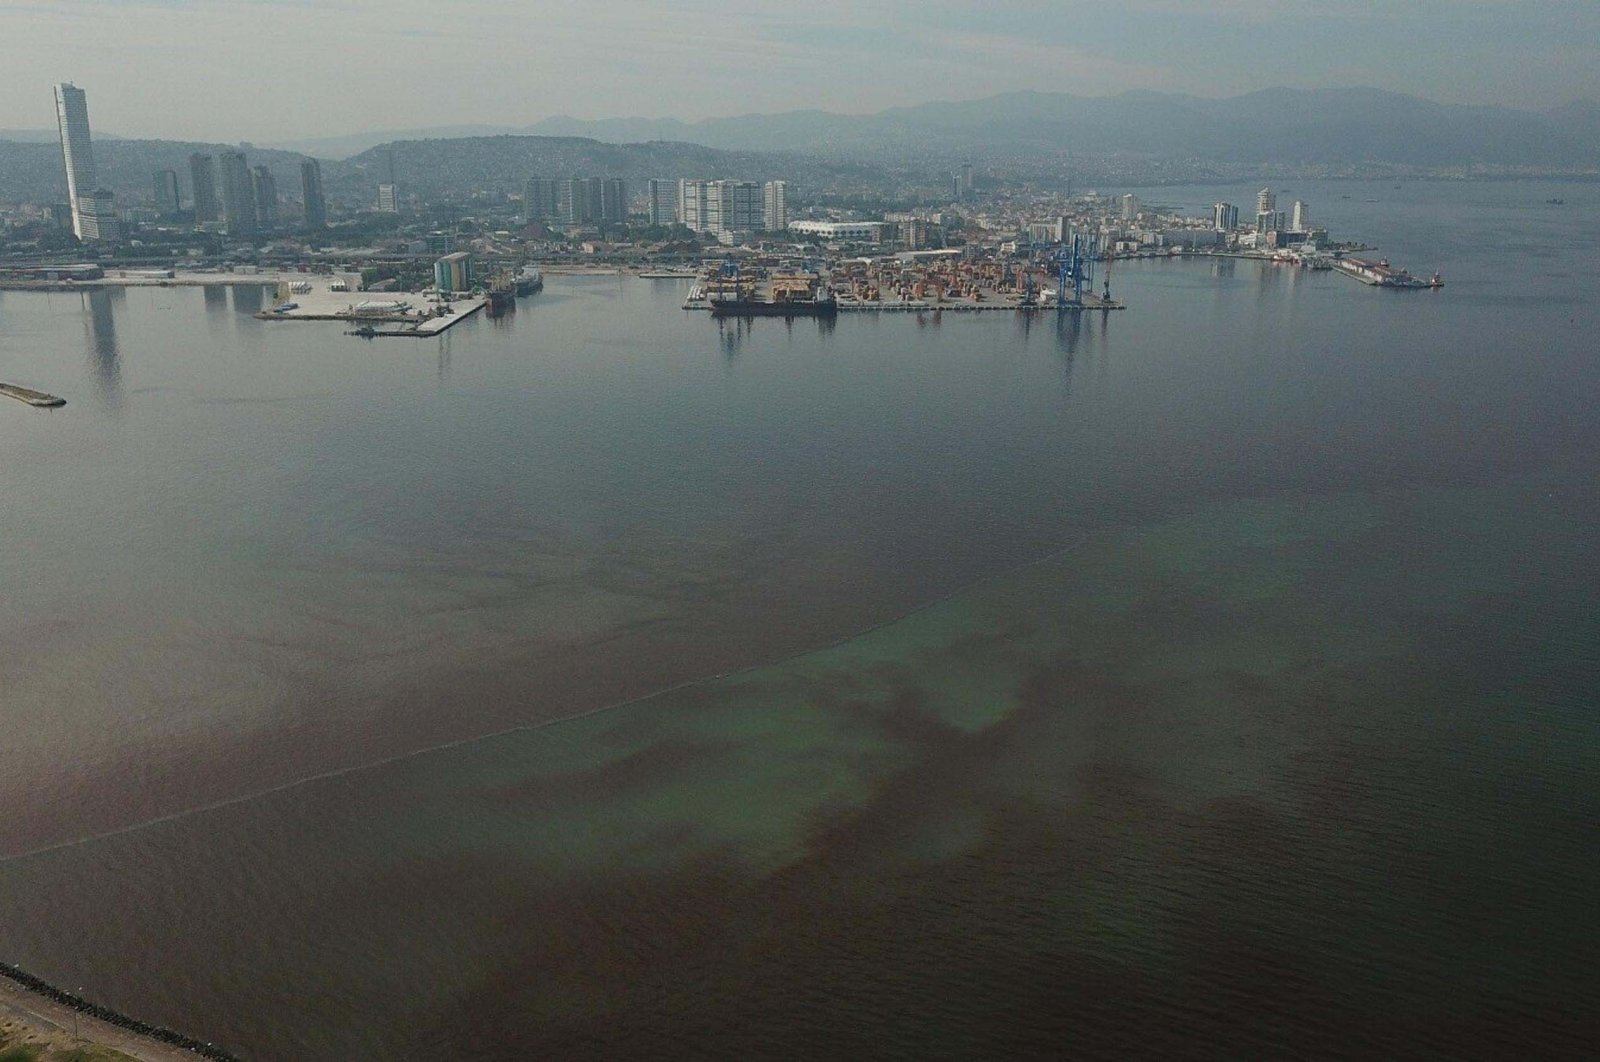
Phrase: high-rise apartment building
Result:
[1301,218]
[692,204]
[1266,201]
[311,192]
[720,206]
[164,186]
[238,194]
[734,206]
[775,206]
[575,202]
[1224,217]
[203,176]
[1129,207]
[966,180]
[538,198]
[77,153]
[266,196]
[388,198]
[614,200]
[663,204]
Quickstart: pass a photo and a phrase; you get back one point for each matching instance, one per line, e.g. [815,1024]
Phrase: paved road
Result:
[48,1016]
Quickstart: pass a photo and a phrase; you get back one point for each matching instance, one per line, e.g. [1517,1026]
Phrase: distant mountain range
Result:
[1280,126]
[1035,132]
[32,171]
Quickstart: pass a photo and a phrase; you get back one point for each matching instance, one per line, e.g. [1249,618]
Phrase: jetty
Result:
[32,397]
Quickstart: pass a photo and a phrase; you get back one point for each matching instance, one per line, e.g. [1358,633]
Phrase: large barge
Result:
[1381,274]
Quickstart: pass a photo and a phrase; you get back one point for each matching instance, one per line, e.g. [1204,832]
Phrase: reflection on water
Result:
[216,296]
[102,326]
[248,298]
[731,333]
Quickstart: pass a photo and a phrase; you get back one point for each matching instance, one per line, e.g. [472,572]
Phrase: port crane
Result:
[1075,271]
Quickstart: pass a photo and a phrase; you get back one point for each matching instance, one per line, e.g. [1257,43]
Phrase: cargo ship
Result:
[789,295]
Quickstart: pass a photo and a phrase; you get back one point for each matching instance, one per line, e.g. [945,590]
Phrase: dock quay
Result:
[420,316]
[414,329]
[33,398]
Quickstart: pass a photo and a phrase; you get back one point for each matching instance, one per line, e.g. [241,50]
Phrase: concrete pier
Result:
[31,397]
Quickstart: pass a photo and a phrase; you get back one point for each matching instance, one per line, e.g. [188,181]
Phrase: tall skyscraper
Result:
[99,215]
[538,198]
[238,194]
[1302,217]
[203,174]
[1129,207]
[1266,201]
[77,152]
[388,198]
[663,204]
[775,206]
[1224,217]
[265,190]
[164,184]
[966,180]
[311,191]
[614,200]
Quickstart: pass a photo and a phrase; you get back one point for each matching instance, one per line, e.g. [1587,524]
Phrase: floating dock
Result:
[30,396]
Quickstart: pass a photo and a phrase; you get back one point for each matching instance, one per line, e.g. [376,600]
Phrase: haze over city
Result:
[271,70]
[805,530]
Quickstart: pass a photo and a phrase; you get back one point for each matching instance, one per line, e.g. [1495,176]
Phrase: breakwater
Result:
[39,986]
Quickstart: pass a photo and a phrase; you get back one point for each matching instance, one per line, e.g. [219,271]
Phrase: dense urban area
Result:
[981,236]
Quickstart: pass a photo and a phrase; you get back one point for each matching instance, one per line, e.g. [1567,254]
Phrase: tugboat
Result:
[529,280]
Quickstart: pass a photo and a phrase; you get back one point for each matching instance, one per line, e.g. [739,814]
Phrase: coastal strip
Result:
[162,1040]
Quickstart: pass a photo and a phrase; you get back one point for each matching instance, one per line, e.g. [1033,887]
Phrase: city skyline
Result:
[764,59]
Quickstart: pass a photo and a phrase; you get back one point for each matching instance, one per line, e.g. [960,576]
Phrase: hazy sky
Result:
[264,70]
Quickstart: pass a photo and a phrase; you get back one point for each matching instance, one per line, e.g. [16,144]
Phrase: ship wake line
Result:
[1052,554]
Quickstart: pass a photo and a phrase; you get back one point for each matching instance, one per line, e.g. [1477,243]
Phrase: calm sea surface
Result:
[1218,677]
